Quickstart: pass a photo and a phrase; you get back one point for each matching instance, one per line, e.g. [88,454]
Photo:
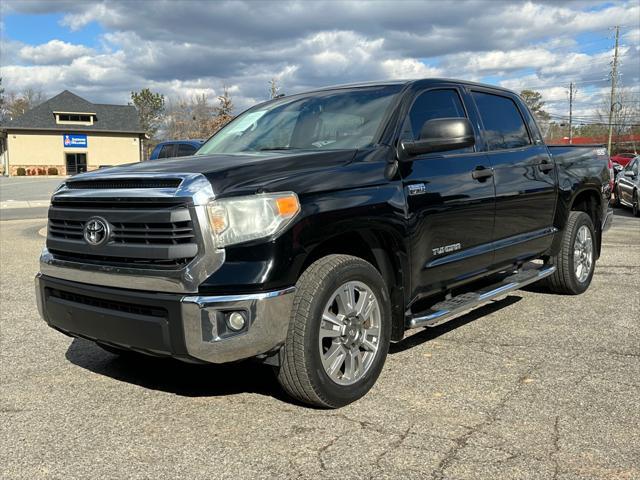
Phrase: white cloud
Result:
[407,68]
[53,52]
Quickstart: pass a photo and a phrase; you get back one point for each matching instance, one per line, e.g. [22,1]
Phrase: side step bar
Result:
[448,309]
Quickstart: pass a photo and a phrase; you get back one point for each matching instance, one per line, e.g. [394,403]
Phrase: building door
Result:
[76,163]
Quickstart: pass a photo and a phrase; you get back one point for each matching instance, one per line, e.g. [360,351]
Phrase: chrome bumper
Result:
[201,319]
[267,313]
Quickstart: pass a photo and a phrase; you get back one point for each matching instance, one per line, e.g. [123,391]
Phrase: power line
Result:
[582,82]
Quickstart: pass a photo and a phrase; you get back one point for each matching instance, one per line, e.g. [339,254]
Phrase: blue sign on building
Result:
[74,140]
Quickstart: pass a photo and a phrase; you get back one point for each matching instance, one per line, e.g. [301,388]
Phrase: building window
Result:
[77,118]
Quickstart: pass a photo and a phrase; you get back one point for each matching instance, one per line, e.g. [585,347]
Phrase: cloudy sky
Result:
[103,50]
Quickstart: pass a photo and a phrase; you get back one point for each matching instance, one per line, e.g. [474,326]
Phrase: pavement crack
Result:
[364,424]
[323,449]
[492,416]
[392,446]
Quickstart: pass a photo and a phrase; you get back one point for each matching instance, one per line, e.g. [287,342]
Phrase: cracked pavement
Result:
[531,386]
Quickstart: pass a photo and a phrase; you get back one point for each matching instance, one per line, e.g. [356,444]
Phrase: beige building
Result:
[67,135]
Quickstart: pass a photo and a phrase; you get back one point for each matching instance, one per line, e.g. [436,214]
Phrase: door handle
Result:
[545,167]
[481,173]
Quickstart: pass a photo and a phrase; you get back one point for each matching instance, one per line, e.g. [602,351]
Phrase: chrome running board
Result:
[448,309]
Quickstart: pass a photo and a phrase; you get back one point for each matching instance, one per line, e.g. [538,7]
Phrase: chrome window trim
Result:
[187,279]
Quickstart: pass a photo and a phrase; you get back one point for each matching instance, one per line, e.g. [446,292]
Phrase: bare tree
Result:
[197,117]
[16,104]
[274,88]
[626,115]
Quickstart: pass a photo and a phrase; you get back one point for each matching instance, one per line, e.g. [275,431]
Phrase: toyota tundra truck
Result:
[315,229]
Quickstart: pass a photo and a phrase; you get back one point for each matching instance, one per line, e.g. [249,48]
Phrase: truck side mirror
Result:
[440,135]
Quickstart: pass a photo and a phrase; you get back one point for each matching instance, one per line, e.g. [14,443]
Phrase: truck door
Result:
[450,199]
[524,176]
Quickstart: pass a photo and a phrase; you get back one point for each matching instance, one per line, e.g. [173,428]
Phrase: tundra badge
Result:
[446,249]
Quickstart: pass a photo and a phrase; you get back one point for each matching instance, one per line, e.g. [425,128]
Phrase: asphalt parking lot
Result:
[534,386]
[26,197]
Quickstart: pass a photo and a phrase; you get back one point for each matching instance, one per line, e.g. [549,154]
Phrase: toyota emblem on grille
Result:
[96,231]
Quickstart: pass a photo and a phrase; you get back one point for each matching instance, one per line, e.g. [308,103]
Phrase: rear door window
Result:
[166,151]
[185,149]
[503,124]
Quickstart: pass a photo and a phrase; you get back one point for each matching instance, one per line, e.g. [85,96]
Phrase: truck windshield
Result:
[333,119]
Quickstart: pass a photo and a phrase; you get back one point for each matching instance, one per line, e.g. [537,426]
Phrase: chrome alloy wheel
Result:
[349,333]
[583,253]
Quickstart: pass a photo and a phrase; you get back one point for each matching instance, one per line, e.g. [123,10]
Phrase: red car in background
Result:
[623,158]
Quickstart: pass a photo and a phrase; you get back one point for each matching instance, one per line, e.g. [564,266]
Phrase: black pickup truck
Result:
[315,229]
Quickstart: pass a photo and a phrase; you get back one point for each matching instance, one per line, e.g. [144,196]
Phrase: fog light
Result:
[236,321]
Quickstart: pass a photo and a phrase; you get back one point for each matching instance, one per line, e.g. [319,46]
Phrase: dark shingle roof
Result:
[109,118]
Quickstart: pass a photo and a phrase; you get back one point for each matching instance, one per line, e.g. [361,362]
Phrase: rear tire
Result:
[575,262]
[320,366]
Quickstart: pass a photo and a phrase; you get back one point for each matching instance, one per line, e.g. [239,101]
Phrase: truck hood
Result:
[232,174]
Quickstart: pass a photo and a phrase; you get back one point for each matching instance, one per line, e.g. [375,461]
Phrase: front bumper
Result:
[191,328]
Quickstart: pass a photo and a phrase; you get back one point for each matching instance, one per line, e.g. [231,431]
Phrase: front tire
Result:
[339,332]
[575,262]
[635,205]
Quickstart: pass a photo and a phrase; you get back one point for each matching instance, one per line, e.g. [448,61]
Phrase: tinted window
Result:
[503,124]
[185,149]
[166,151]
[430,105]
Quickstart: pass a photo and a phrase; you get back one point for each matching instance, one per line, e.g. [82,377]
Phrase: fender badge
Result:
[417,188]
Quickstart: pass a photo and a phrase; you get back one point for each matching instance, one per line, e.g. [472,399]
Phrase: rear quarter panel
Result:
[580,168]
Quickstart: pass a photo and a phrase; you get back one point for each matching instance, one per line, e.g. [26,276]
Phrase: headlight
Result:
[240,219]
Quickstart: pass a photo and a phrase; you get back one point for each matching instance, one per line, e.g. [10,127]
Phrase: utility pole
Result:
[571,112]
[614,78]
